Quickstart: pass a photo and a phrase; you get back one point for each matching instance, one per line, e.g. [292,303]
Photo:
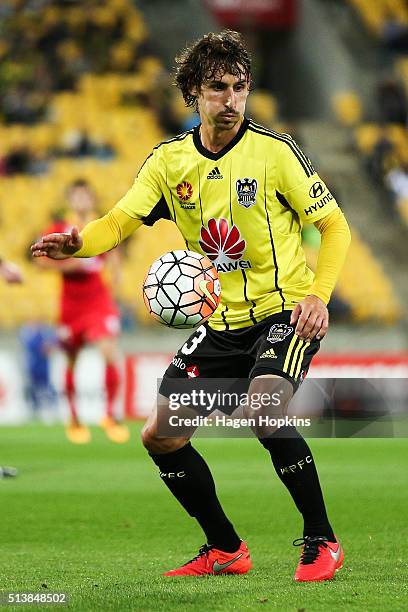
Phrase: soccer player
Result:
[88,315]
[38,340]
[11,274]
[240,192]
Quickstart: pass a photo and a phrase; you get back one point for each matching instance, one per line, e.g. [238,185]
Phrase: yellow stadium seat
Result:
[397,134]
[263,108]
[347,108]
[398,10]
[372,13]
[366,137]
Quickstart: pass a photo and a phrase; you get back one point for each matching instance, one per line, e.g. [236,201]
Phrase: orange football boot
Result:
[320,559]
[116,432]
[77,433]
[211,561]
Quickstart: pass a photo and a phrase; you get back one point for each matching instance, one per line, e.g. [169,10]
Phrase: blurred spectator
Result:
[381,158]
[17,161]
[74,143]
[397,180]
[392,102]
[395,36]
[20,105]
[21,160]
[77,143]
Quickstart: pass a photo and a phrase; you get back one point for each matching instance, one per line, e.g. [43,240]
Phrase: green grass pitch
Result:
[97,522]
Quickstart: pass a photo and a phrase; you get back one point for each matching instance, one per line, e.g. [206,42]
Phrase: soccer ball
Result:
[181,289]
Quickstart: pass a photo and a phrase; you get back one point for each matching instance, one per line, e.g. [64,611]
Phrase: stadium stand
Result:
[383,139]
[382,147]
[381,15]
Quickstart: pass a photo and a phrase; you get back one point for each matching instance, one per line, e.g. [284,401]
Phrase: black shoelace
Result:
[311,548]
[204,550]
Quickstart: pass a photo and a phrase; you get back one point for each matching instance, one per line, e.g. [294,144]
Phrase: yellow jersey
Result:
[243,208]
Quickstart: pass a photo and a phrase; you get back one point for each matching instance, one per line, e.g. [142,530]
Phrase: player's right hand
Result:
[58,246]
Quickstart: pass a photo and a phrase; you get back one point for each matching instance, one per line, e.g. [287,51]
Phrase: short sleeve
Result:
[145,199]
[301,186]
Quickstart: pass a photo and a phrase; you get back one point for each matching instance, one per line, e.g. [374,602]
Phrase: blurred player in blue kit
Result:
[38,341]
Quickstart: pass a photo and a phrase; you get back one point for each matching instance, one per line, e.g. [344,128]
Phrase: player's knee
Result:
[268,394]
[148,437]
[268,397]
[155,444]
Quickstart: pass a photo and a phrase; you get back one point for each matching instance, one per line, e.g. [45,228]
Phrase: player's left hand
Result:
[10,272]
[312,318]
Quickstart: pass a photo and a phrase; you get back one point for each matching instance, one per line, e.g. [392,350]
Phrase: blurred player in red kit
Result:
[88,315]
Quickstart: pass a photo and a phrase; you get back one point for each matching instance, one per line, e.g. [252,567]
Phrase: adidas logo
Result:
[269,353]
[215,174]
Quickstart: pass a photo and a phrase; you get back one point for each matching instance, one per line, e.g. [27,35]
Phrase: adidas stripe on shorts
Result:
[268,347]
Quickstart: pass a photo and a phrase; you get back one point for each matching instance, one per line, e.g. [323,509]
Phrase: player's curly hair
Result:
[211,55]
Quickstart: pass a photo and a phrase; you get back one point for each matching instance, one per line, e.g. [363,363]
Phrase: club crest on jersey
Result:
[223,245]
[278,332]
[185,191]
[246,191]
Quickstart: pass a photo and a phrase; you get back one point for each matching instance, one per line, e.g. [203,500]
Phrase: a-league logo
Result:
[246,192]
[278,332]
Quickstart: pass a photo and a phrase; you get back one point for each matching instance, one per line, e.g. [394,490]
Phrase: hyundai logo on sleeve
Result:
[316,190]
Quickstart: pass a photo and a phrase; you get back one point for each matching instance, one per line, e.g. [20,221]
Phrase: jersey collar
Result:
[215,156]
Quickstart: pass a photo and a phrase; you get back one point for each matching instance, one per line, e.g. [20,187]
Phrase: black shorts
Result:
[268,347]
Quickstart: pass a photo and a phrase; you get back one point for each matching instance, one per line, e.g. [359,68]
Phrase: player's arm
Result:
[306,193]
[311,314]
[114,264]
[97,237]
[335,241]
[142,204]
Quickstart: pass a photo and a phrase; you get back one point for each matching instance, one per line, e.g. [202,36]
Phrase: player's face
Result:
[81,200]
[222,101]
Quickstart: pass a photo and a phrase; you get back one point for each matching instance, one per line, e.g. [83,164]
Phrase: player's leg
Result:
[101,328]
[75,431]
[188,477]
[70,388]
[115,430]
[291,456]
[184,470]
[290,453]
[107,346]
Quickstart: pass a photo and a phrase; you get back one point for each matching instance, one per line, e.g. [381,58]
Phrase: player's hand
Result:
[58,246]
[10,272]
[311,317]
